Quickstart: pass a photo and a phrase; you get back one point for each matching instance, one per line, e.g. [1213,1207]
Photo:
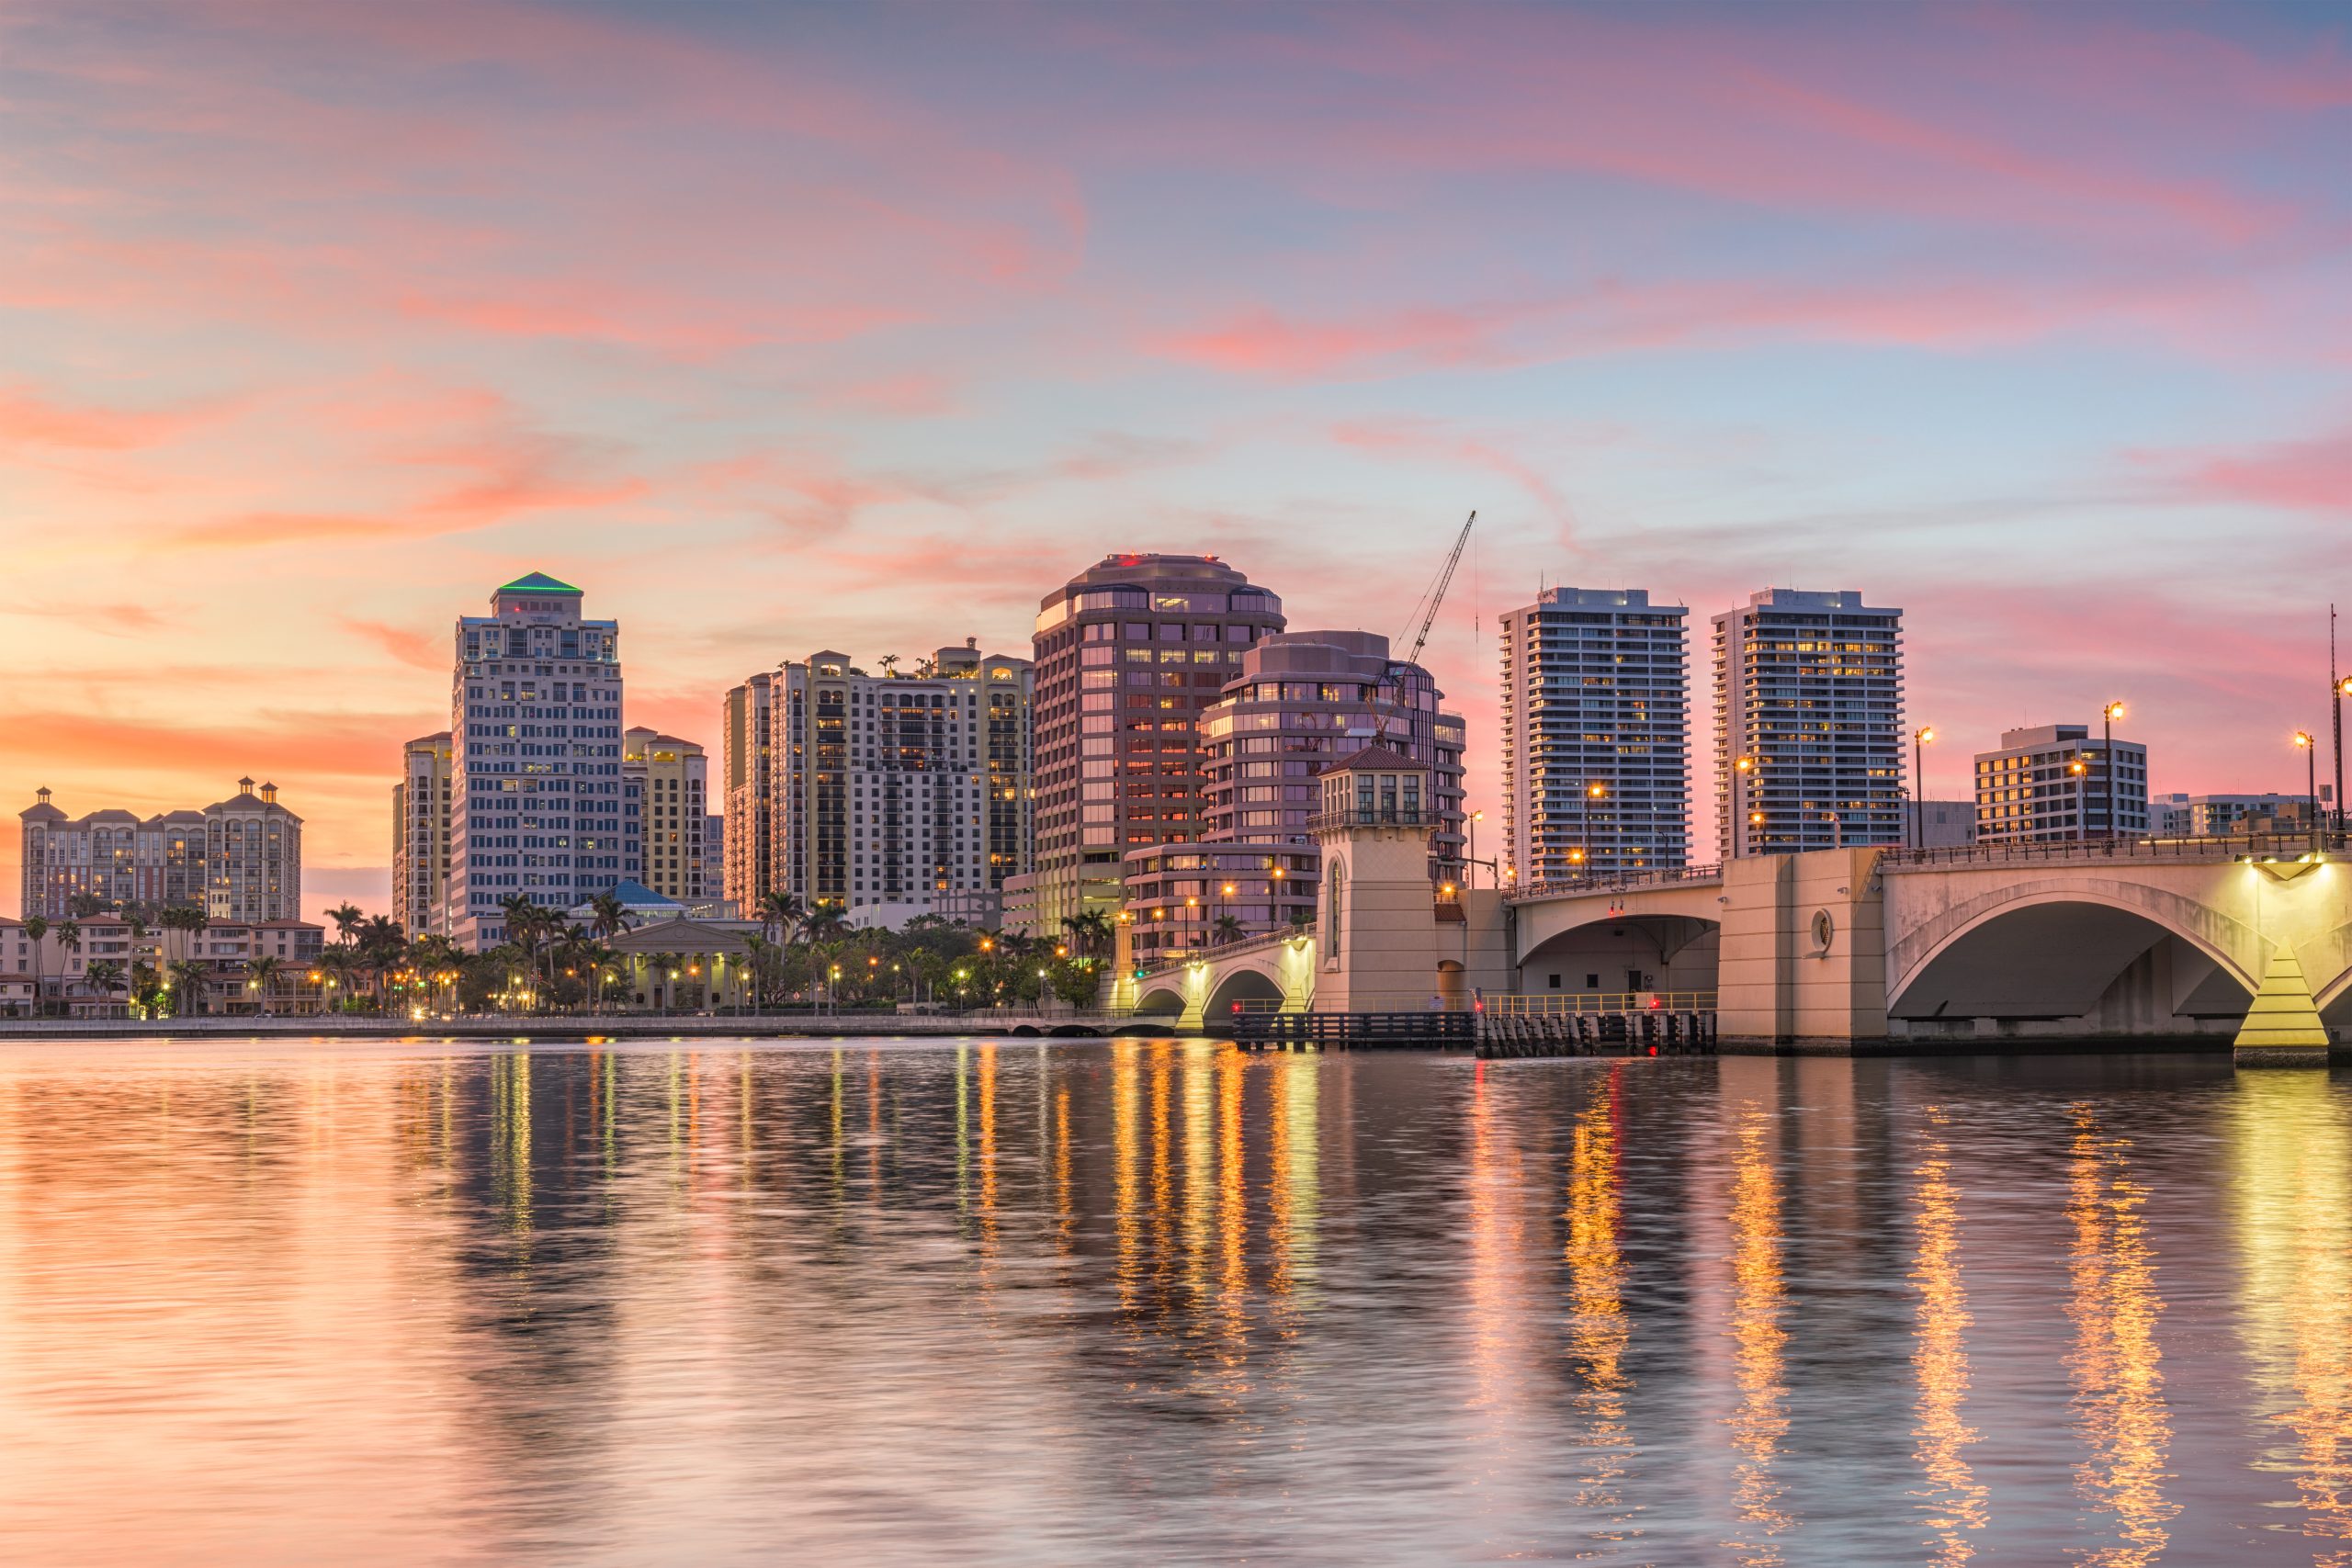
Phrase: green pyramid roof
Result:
[537,583]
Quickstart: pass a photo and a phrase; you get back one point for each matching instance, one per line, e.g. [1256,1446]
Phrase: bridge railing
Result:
[1548,1004]
[1617,881]
[2243,846]
[1189,956]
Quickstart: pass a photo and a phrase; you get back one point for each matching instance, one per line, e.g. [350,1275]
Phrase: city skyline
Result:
[1681,300]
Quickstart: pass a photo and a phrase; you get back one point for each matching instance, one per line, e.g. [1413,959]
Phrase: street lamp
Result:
[2338,691]
[1470,876]
[2107,716]
[1920,737]
[2311,778]
[2082,809]
[1593,792]
[1739,787]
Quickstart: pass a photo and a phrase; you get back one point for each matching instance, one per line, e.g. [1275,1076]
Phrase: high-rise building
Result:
[671,785]
[1809,690]
[714,854]
[420,835]
[535,798]
[1129,653]
[253,857]
[747,791]
[1595,742]
[2051,783]
[239,859]
[886,792]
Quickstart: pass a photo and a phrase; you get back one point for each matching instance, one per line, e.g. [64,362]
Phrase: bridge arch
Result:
[1162,997]
[2109,957]
[1624,951]
[1242,983]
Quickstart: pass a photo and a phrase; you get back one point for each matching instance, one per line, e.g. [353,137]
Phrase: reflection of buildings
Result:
[2291,1174]
[2119,1383]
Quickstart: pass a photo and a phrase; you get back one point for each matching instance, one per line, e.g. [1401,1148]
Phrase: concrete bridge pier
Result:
[1803,962]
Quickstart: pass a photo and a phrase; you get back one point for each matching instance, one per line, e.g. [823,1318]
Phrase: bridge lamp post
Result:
[1470,875]
[1919,741]
[1739,788]
[2107,716]
[2310,749]
[1593,792]
[2082,807]
[2341,690]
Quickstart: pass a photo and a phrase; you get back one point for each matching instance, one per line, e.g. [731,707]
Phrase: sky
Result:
[778,329]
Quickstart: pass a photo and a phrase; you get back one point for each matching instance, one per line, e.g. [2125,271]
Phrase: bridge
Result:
[2245,939]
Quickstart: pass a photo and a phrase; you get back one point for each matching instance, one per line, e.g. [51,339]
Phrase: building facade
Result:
[668,782]
[2221,815]
[887,791]
[2051,783]
[1129,653]
[535,798]
[1596,735]
[1809,690]
[747,791]
[237,859]
[421,834]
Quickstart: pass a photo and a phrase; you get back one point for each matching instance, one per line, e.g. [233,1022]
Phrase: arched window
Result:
[1335,898]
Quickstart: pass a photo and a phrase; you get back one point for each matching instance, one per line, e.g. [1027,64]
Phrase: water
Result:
[1159,1302]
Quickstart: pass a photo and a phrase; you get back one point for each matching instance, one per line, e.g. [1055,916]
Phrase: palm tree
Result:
[608,916]
[779,915]
[105,975]
[36,928]
[1227,928]
[346,917]
[259,975]
[383,947]
[341,966]
[187,983]
[1089,932]
[69,938]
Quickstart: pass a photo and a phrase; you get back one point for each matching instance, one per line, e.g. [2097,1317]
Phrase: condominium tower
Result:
[884,793]
[2052,782]
[1129,653]
[421,834]
[1596,735]
[1809,690]
[535,798]
[238,859]
[746,791]
[666,782]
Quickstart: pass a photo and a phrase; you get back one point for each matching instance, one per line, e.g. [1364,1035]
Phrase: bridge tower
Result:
[1376,922]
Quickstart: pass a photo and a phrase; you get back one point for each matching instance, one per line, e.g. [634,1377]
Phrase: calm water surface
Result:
[1160,1301]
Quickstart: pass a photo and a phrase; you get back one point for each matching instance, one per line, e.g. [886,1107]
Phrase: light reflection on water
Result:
[1147,1300]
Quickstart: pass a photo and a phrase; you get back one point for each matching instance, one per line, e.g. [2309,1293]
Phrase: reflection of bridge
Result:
[1849,948]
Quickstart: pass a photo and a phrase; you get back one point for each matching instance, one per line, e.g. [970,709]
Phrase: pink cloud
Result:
[2313,475]
[29,418]
[419,651]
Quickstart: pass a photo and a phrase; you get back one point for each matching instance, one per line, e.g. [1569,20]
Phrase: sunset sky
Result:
[778,329]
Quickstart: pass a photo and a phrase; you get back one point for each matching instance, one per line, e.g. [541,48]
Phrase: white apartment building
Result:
[1596,735]
[535,795]
[2052,782]
[421,834]
[1809,689]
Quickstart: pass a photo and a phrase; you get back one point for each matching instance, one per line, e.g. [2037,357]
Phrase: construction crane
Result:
[1435,597]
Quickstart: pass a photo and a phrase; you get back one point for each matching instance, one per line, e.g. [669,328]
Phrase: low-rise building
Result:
[1181,896]
[2053,781]
[2219,816]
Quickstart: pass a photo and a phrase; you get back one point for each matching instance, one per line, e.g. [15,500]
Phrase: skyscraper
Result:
[535,803]
[672,783]
[884,793]
[421,834]
[1596,735]
[1809,689]
[1129,653]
